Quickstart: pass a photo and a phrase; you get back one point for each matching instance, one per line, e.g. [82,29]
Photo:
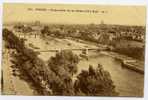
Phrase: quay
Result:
[127,62]
[136,66]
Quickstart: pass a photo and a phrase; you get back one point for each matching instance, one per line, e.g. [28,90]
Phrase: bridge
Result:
[83,50]
[79,49]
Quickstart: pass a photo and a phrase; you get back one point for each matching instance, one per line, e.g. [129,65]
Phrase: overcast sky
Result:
[123,15]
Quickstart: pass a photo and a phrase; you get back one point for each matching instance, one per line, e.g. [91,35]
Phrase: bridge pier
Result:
[85,51]
[35,35]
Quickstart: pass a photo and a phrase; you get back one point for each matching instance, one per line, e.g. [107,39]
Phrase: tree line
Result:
[56,77]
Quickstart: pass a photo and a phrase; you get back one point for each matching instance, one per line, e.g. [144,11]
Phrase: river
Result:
[127,82]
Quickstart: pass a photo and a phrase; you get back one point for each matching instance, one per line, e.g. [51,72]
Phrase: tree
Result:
[95,82]
[56,77]
[65,59]
[26,60]
[45,31]
[27,29]
[64,65]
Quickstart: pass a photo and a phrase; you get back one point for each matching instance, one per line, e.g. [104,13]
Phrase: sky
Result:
[115,14]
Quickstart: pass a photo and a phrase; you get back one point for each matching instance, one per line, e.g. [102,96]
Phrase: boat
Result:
[133,65]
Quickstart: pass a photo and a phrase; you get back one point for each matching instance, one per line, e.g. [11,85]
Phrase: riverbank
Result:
[127,62]
[124,79]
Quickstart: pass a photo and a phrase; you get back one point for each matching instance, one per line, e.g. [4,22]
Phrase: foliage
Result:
[65,60]
[45,31]
[135,52]
[22,28]
[26,60]
[95,82]
[64,64]
[56,77]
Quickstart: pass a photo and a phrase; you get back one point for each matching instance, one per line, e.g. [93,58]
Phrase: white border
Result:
[103,2]
[127,2]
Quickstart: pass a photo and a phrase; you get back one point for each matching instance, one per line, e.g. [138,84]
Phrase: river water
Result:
[127,82]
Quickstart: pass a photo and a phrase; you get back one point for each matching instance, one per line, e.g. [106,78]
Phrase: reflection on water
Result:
[128,82]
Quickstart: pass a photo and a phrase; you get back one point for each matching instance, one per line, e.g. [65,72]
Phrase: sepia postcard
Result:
[73,50]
